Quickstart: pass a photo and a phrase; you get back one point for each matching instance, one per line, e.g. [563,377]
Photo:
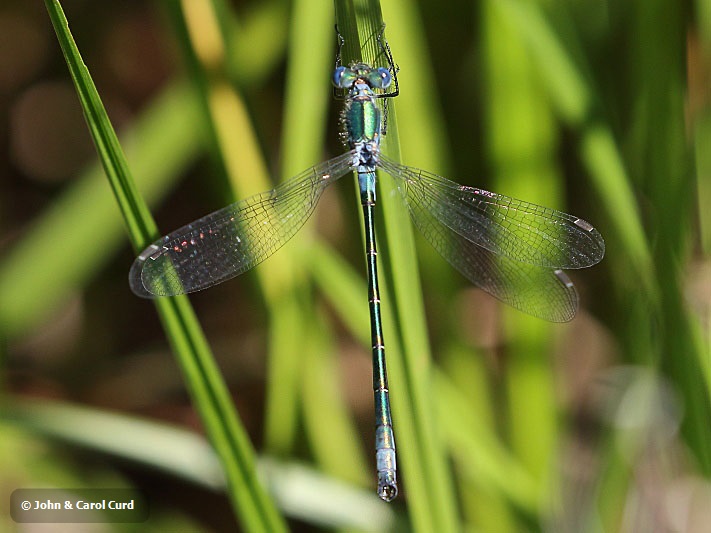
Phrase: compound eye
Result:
[343,78]
[380,78]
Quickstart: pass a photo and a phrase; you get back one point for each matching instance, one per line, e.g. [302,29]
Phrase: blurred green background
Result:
[602,109]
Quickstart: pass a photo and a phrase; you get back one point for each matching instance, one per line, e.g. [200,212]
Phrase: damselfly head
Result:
[376,78]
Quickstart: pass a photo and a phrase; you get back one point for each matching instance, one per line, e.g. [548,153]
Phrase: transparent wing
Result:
[512,249]
[538,291]
[508,227]
[234,239]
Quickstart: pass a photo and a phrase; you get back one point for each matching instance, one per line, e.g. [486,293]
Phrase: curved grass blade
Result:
[182,454]
[426,476]
[251,504]
[308,377]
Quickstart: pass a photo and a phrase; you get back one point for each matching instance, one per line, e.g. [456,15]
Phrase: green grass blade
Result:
[661,154]
[332,435]
[575,102]
[159,145]
[522,143]
[331,432]
[343,287]
[303,131]
[136,215]
[185,455]
[251,504]
[205,41]
[236,152]
[479,452]
[425,473]
[284,286]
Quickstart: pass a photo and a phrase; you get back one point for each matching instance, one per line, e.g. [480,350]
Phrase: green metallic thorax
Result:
[362,120]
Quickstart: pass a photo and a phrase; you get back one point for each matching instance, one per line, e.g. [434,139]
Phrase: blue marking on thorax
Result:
[363,126]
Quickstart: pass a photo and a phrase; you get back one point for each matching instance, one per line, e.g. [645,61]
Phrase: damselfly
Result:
[512,249]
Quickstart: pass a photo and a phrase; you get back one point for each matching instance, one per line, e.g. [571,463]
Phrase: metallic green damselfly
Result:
[512,249]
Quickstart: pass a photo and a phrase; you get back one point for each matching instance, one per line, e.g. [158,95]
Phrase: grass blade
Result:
[251,504]
[426,475]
